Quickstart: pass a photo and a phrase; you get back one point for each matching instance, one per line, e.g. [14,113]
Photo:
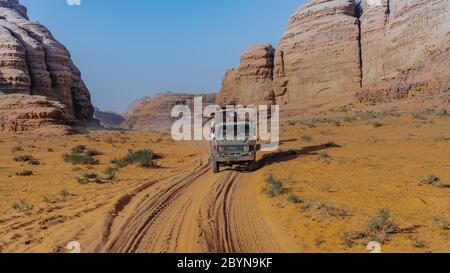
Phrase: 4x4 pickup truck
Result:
[233,143]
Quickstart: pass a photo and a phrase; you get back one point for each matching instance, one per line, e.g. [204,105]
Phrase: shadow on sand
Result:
[284,156]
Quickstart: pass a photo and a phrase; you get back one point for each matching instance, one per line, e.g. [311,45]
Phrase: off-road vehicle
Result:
[233,143]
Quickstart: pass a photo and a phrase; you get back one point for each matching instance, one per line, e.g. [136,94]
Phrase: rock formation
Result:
[318,54]
[319,51]
[405,46]
[108,119]
[154,113]
[33,114]
[378,49]
[252,81]
[32,62]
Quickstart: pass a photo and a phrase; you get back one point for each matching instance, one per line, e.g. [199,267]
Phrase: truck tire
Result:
[251,166]
[215,167]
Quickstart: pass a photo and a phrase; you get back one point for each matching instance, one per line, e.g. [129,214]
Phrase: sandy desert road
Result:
[196,211]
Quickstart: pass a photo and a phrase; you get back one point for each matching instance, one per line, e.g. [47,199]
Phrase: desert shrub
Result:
[307,138]
[92,152]
[24,173]
[22,206]
[88,178]
[142,157]
[432,180]
[293,198]
[34,161]
[80,159]
[442,222]
[110,173]
[23,158]
[322,208]
[79,149]
[273,187]
[380,226]
[350,238]
[418,243]
[49,199]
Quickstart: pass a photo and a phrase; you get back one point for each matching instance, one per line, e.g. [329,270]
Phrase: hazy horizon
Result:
[134,49]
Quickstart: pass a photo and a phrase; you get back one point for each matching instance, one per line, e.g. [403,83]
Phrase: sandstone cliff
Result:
[405,46]
[252,81]
[380,50]
[33,114]
[32,62]
[154,113]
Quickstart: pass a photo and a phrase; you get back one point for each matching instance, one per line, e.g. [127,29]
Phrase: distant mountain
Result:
[154,113]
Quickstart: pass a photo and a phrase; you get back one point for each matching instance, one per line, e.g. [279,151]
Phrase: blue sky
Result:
[136,48]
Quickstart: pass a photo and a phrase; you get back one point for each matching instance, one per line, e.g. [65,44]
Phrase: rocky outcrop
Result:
[108,119]
[32,62]
[318,54]
[379,49]
[33,114]
[405,47]
[319,51]
[154,113]
[252,81]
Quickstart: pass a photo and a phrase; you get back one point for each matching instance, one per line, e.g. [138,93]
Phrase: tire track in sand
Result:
[198,212]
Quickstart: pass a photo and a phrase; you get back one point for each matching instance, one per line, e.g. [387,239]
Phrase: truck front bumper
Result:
[229,158]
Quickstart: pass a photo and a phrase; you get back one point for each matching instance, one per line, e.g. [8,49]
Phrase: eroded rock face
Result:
[405,45]
[319,51]
[251,83]
[318,54]
[33,114]
[32,62]
[108,119]
[381,50]
[154,113]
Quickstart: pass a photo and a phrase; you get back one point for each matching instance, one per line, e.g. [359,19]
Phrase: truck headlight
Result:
[246,148]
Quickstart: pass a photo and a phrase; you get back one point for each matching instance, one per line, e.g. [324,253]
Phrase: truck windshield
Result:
[236,131]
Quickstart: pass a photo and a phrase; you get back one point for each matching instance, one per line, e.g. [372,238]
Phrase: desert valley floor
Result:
[345,174]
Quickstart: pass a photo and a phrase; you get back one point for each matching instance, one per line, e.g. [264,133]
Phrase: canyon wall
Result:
[405,46]
[380,50]
[33,63]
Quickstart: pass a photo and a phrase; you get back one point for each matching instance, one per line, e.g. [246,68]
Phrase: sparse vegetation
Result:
[81,156]
[89,178]
[323,208]
[293,198]
[110,173]
[418,243]
[25,173]
[142,157]
[22,206]
[307,138]
[377,229]
[433,180]
[50,199]
[273,187]
[442,222]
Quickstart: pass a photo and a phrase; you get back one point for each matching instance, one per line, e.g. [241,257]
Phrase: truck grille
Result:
[233,148]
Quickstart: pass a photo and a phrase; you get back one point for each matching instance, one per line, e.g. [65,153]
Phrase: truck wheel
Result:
[215,167]
[252,166]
